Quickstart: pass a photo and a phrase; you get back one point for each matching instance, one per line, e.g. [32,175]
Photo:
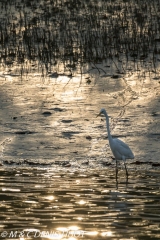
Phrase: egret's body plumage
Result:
[120,150]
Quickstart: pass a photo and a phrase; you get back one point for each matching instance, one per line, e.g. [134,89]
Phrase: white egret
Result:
[120,150]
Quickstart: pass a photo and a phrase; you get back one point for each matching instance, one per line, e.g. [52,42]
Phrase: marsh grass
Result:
[43,35]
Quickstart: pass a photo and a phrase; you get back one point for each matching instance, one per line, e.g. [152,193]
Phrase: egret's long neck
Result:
[108,130]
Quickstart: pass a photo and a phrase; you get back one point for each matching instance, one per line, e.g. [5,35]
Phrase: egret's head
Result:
[103,111]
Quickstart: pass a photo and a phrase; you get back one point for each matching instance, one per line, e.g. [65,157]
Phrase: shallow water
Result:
[49,132]
[79,203]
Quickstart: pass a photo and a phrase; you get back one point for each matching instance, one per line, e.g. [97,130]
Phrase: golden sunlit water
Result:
[103,209]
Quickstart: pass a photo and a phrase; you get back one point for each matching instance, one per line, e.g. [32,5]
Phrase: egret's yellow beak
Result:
[98,115]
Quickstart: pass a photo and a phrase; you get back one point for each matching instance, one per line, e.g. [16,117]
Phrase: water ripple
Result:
[91,201]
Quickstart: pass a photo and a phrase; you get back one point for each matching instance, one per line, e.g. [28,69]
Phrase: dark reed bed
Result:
[40,35]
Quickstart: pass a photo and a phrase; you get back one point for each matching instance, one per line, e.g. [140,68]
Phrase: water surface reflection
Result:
[69,204]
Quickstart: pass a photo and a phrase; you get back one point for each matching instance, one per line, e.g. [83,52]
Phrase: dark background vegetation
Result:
[38,35]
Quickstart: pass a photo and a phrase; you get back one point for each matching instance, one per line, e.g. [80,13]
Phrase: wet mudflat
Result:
[55,118]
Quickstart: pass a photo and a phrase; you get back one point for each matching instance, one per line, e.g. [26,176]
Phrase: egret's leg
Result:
[125,167]
[116,170]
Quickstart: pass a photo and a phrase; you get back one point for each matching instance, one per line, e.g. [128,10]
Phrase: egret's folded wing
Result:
[122,148]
